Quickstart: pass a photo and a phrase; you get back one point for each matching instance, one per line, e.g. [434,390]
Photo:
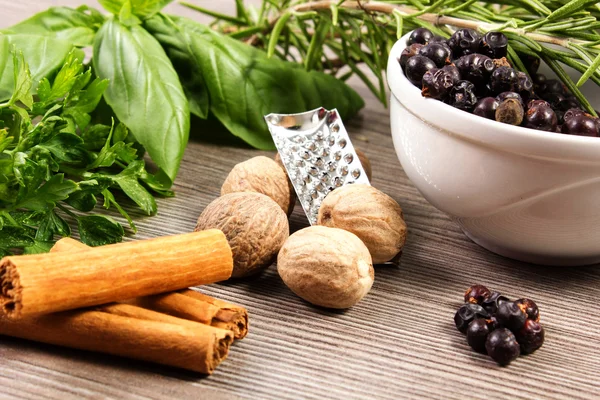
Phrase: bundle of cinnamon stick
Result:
[128,299]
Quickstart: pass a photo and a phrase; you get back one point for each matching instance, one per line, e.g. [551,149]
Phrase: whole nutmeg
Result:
[370,214]
[262,175]
[327,267]
[254,225]
[364,160]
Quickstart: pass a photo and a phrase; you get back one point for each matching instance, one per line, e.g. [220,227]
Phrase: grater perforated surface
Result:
[317,153]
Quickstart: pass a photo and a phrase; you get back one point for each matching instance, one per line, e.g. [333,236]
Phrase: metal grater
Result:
[317,154]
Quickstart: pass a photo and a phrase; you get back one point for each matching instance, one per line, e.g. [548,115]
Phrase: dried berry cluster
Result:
[501,328]
[470,72]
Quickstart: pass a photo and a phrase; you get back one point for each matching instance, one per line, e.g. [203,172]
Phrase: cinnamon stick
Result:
[187,304]
[228,316]
[57,281]
[128,331]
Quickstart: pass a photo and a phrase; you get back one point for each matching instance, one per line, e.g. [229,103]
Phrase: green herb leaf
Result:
[94,137]
[64,80]
[68,148]
[5,140]
[38,247]
[109,199]
[244,84]
[85,198]
[98,230]
[140,8]
[128,182]
[45,143]
[43,54]
[590,71]
[6,79]
[68,24]
[176,44]
[11,237]
[315,49]
[45,196]
[144,92]
[85,102]
[109,154]
[155,185]
[52,224]
[82,201]
[21,217]
[23,82]
[568,9]
[279,25]
[126,15]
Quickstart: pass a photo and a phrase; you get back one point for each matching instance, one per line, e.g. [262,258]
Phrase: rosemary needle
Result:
[562,33]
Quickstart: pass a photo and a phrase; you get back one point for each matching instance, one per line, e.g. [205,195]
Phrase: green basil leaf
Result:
[43,54]
[71,25]
[79,36]
[177,44]
[113,6]
[98,230]
[140,8]
[126,15]
[144,92]
[244,84]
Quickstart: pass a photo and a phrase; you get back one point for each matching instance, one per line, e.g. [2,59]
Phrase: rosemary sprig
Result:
[560,32]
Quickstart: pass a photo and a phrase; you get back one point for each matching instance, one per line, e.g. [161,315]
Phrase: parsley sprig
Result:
[57,165]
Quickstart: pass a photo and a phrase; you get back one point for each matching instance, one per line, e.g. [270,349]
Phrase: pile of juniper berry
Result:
[471,72]
[501,328]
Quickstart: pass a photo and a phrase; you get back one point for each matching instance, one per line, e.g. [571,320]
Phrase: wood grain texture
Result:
[399,342]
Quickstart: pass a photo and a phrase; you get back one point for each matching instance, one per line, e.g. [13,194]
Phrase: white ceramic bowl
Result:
[522,193]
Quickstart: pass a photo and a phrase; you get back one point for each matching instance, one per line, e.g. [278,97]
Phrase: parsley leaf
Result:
[98,230]
[55,162]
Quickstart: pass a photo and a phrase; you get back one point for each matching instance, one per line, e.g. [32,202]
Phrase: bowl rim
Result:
[439,114]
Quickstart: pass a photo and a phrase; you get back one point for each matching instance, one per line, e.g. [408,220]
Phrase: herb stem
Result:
[363,32]
[214,14]
[436,19]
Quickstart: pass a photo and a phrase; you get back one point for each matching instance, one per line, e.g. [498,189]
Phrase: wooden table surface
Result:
[398,342]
